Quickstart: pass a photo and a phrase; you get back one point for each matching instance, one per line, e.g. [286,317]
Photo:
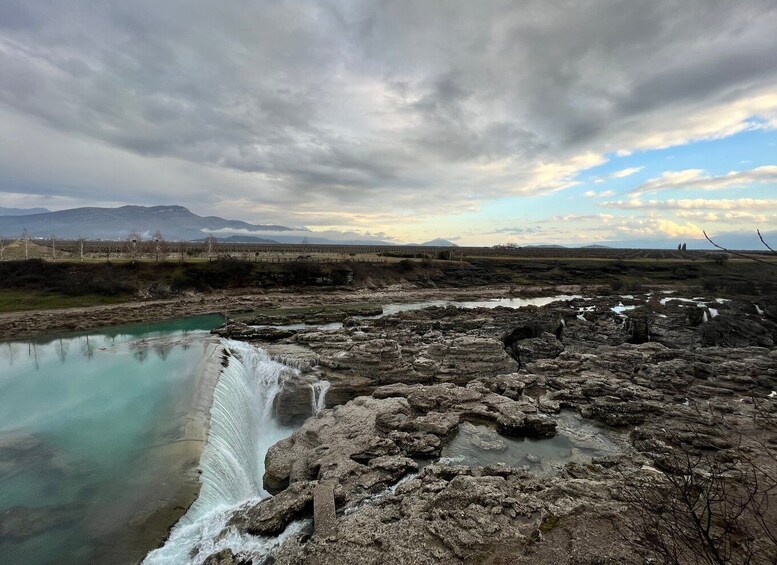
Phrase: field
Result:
[190,251]
[65,280]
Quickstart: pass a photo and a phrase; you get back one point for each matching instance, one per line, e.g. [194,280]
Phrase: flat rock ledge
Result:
[672,377]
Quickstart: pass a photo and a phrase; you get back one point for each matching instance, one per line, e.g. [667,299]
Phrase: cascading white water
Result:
[242,430]
[318,395]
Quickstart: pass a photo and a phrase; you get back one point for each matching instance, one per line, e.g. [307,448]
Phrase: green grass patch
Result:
[20,300]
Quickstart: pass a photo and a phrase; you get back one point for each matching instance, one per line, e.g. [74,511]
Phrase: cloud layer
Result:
[698,179]
[363,114]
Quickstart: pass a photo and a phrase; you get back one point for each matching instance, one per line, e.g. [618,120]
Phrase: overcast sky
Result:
[482,122]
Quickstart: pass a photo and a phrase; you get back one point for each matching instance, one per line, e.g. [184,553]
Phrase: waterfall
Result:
[242,430]
[705,317]
[318,395]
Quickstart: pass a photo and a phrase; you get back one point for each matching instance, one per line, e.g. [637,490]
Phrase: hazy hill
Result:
[22,211]
[547,246]
[439,242]
[240,239]
[175,223]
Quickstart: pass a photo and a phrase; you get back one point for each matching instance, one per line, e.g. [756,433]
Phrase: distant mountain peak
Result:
[439,242]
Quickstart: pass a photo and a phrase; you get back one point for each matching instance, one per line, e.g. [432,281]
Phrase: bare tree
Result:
[134,240]
[761,237]
[81,241]
[159,243]
[2,248]
[26,242]
[53,247]
[211,243]
[698,506]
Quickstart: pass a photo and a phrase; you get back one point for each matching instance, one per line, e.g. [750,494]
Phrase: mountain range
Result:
[176,223]
[179,224]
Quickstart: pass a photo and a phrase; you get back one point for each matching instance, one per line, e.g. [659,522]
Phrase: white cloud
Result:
[698,179]
[659,227]
[279,112]
[600,194]
[623,173]
[692,204]
[736,216]
[583,218]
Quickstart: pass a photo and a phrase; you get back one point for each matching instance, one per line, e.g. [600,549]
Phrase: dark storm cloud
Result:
[349,103]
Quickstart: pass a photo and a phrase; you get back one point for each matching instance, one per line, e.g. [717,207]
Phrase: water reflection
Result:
[141,340]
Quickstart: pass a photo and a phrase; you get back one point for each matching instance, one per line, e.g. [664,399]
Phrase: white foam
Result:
[620,308]
[318,395]
[242,429]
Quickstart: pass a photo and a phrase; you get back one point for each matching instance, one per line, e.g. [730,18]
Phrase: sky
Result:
[520,121]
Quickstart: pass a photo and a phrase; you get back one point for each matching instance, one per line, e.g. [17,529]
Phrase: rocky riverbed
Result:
[664,381]
[252,304]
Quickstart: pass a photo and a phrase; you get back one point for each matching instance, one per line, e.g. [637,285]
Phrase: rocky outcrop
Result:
[244,332]
[225,557]
[370,443]
[726,330]
[406,349]
[528,350]
[313,315]
[272,516]
[665,371]
[345,444]
[454,514]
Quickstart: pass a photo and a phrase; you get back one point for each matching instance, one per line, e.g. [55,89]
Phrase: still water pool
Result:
[97,455]
[577,440]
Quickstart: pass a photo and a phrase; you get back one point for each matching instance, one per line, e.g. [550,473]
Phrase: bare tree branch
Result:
[761,237]
[737,254]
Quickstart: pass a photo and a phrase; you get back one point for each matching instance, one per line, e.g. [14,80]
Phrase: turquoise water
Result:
[88,430]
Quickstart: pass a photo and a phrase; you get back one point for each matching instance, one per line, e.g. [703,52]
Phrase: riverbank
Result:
[40,296]
[28,324]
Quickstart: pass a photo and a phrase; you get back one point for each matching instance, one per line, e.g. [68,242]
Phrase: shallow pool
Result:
[577,439]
